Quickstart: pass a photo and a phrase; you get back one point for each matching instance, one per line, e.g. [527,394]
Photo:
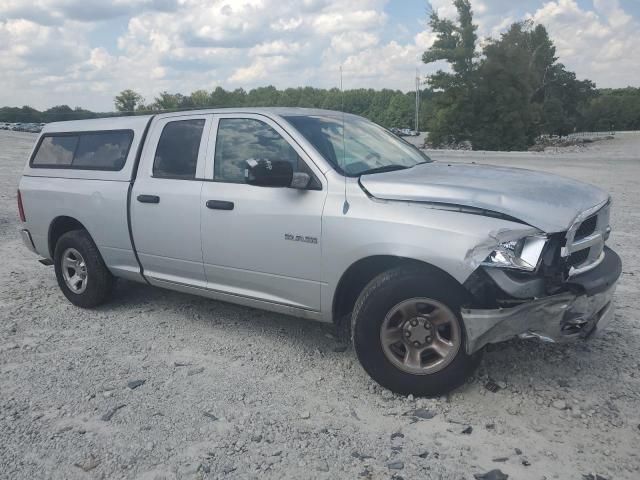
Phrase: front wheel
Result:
[408,334]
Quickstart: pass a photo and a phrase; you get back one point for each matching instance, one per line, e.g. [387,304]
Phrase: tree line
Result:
[500,97]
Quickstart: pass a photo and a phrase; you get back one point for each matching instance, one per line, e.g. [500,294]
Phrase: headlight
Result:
[523,254]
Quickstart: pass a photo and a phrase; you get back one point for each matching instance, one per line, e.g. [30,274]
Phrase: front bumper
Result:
[558,318]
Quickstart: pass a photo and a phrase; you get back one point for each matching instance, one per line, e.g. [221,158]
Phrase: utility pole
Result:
[417,125]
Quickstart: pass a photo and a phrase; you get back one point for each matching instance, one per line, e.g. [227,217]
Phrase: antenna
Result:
[345,206]
[417,100]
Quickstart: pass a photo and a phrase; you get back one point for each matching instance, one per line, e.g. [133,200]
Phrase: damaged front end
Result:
[554,287]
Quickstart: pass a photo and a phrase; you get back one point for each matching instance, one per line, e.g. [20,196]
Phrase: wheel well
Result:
[59,227]
[359,274]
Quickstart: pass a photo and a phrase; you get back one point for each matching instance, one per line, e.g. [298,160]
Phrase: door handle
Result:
[219,205]
[148,199]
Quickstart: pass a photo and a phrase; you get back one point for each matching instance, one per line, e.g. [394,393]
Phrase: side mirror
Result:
[268,173]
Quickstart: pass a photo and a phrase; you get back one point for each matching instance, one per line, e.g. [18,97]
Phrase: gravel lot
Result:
[231,392]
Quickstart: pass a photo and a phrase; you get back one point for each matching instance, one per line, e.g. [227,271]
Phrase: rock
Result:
[467,430]
[323,466]
[559,404]
[305,415]
[195,371]
[210,415]
[500,459]
[133,384]
[182,364]
[89,464]
[256,438]
[492,386]
[397,435]
[366,472]
[420,413]
[526,462]
[107,416]
[492,475]
[397,465]
[360,456]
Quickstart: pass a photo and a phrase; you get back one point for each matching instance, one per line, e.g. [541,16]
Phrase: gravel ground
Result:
[231,392]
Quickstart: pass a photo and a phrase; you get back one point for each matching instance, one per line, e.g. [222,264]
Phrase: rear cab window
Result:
[104,150]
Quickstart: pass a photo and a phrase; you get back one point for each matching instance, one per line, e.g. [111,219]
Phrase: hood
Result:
[545,201]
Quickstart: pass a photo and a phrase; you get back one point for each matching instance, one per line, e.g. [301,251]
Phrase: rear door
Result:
[165,201]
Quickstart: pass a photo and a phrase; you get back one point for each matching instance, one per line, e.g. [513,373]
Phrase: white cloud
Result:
[599,45]
[58,51]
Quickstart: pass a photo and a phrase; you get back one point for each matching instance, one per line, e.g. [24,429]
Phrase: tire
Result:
[384,312]
[97,285]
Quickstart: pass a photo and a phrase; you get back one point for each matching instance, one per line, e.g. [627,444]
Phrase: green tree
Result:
[521,91]
[200,99]
[169,101]
[127,101]
[456,45]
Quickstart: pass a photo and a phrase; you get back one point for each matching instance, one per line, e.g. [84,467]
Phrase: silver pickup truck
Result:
[323,216]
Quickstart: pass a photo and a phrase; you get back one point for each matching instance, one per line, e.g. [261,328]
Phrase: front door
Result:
[260,242]
[165,201]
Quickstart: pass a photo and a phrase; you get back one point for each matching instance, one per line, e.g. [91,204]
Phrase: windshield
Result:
[367,148]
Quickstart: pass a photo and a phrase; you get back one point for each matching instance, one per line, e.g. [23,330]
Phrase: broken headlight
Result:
[523,254]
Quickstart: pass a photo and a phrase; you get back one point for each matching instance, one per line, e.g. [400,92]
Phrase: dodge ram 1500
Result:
[325,216]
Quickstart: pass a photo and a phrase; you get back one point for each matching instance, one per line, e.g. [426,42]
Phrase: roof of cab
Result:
[280,111]
[135,123]
[139,122]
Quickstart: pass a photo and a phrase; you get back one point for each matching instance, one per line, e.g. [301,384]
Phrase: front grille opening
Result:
[579,257]
[587,227]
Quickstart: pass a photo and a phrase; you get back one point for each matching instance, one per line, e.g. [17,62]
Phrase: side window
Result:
[84,151]
[241,139]
[177,151]
[105,151]
[55,151]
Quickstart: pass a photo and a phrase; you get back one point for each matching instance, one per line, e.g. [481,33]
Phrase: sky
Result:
[83,52]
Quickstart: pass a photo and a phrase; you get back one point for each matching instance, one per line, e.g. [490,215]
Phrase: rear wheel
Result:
[81,273]
[408,334]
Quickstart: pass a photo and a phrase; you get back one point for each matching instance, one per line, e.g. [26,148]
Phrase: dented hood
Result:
[548,202]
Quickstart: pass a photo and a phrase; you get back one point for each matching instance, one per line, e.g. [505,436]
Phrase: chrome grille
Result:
[586,238]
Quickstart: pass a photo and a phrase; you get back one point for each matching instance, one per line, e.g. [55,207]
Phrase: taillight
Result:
[21,208]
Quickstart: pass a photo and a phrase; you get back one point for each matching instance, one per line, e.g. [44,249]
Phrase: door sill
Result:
[238,299]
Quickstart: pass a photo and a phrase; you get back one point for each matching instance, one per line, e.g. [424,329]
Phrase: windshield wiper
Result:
[386,168]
